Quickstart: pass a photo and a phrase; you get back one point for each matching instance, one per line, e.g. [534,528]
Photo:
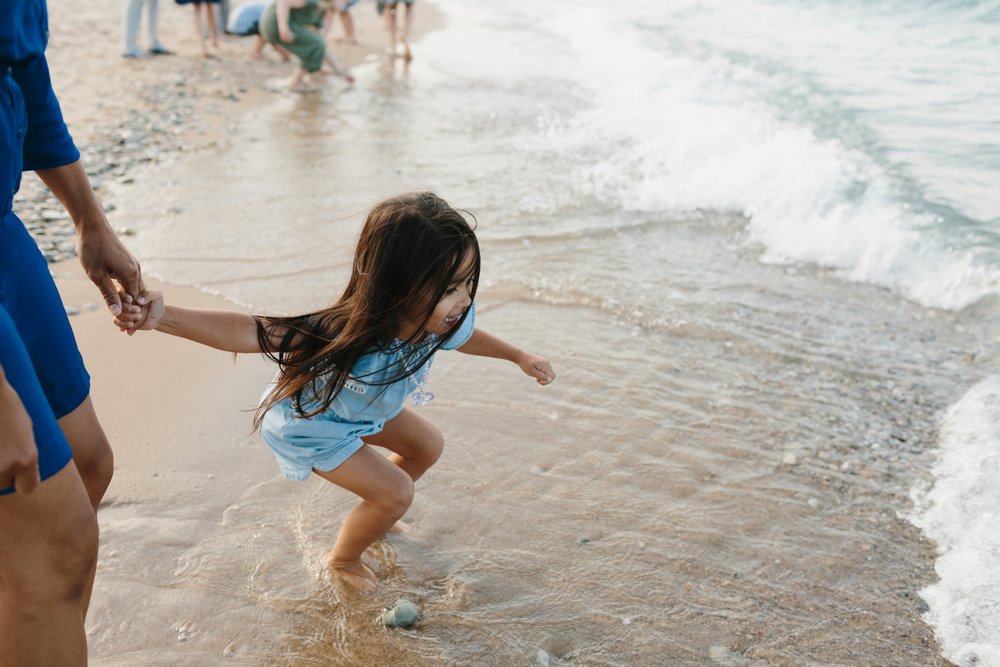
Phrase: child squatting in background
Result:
[300,26]
[344,372]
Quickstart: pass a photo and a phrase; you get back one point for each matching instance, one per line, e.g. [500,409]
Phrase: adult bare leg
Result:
[46,560]
[94,462]
[405,37]
[389,15]
[91,450]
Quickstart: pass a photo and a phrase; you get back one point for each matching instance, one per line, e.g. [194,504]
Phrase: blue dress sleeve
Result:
[462,334]
[47,143]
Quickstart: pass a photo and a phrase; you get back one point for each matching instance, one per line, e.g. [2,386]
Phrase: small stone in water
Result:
[790,459]
[542,658]
[402,614]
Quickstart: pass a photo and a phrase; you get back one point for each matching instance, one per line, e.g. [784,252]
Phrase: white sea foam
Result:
[673,132]
[960,513]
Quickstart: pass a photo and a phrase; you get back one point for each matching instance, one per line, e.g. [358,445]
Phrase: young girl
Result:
[344,372]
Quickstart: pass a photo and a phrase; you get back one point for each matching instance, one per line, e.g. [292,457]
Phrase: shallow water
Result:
[721,472]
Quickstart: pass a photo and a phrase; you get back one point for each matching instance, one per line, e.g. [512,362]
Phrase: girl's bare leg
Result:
[285,55]
[386,488]
[348,24]
[257,52]
[405,37]
[416,444]
[212,29]
[389,14]
[386,492]
[297,82]
[199,29]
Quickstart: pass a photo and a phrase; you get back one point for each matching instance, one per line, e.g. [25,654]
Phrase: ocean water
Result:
[760,242]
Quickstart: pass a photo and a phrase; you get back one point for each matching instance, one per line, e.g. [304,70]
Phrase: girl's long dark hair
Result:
[410,250]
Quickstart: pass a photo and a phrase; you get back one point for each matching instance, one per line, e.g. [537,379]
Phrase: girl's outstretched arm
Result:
[483,344]
[222,329]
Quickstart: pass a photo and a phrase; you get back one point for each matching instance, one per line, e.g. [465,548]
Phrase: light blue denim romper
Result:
[328,439]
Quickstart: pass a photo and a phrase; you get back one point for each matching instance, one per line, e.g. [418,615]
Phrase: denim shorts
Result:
[301,445]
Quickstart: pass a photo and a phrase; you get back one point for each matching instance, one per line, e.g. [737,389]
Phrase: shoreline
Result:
[175,449]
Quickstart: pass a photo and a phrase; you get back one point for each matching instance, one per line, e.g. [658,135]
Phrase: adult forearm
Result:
[104,257]
[71,187]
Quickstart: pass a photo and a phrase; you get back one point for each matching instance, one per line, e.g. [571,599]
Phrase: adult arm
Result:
[482,344]
[104,257]
[18,454]
[50,152]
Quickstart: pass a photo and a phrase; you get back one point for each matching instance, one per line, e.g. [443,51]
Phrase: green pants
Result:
[308,46]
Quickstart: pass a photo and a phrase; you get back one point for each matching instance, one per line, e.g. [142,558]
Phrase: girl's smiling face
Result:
[453,303]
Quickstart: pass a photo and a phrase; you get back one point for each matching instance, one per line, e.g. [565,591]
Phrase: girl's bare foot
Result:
[355,574]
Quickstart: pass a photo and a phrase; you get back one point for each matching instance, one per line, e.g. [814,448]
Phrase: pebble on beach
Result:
[402,614]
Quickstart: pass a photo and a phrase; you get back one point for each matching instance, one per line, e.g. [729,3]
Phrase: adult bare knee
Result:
[50,557]
[60,572]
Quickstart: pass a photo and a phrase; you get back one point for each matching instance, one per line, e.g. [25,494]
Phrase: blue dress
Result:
[360,409]
[37,349]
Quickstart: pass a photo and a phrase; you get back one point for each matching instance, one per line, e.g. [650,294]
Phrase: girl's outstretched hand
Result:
[537,367]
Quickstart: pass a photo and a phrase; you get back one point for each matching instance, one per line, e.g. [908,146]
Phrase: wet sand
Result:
[737,536]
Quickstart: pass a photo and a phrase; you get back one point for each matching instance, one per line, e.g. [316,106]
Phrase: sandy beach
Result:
[722,474]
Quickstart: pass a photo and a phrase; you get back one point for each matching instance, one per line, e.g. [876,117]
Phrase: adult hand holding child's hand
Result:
[144,313]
